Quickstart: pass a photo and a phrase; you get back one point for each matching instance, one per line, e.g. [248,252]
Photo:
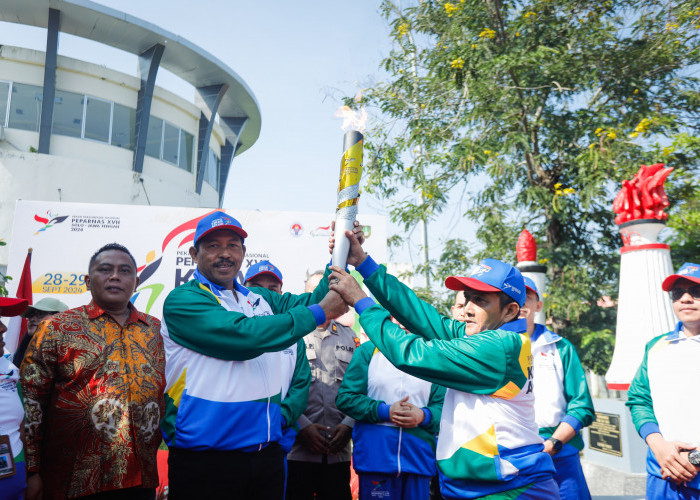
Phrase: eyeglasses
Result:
[677,293]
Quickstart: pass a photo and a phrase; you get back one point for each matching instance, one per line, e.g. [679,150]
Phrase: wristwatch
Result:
[556,444]
[694,458]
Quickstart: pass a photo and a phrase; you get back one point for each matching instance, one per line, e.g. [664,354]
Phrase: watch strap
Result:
[556,444]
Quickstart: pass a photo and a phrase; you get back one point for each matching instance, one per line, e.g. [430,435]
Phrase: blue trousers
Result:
[375,486]
[658,489]
[569,476]
[12,488]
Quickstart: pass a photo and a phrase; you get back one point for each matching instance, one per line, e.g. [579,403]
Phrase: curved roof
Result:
[117,29]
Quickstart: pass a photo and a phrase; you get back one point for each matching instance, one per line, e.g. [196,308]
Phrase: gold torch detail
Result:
[348,194]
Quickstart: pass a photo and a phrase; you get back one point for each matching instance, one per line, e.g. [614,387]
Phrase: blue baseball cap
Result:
[215,221]
[688,271]
[492,275]
[530,285]
[263,267]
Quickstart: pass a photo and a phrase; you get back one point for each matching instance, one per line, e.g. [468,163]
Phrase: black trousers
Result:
[226,474]
[326,481]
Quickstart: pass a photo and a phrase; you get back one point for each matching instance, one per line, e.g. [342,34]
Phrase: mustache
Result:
[224,262]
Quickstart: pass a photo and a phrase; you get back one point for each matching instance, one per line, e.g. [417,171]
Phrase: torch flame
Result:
[352,120]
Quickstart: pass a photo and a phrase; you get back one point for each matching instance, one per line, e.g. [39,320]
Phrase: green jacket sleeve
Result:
[639,396]
[437,398]
[352,397]
[481,364]
[579,403]
[280,303]
[297,398]
[195,319]
[416,315]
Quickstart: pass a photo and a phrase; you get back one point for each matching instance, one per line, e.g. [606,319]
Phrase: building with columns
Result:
[80,132]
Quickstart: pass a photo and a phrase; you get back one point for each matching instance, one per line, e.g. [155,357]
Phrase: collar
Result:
[517,326]
[549,336]
[217,289]
[678,334]
[520,326]
[94,311]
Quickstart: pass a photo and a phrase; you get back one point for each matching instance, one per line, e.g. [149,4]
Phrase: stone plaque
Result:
[604,434]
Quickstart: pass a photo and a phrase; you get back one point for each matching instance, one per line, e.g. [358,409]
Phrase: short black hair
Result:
[106,248]
[506,299]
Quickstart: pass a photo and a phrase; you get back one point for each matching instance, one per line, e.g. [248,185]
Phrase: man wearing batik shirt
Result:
[93,381]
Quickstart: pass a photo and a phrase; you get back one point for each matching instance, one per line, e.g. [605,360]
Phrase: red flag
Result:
[17,330]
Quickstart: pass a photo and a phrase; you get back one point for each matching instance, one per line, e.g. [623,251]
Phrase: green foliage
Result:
[3,278]
[597,350]
[541,108]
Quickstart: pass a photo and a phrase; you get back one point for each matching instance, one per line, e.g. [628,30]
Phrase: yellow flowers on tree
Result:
[539,109]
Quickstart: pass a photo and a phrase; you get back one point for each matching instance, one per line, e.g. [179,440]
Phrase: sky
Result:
[299,59]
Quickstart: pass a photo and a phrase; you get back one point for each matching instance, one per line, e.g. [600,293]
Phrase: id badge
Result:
[7,461]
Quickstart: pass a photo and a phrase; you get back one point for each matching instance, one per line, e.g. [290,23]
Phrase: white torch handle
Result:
[344,221]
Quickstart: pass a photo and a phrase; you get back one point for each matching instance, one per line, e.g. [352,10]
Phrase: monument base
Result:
[614,456]
[607,483]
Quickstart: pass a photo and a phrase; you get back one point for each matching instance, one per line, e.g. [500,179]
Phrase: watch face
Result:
[694,458]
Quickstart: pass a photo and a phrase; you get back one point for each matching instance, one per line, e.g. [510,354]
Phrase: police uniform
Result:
[329,352]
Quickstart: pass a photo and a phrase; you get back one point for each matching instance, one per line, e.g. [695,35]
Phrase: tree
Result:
[3,277]
[545,106]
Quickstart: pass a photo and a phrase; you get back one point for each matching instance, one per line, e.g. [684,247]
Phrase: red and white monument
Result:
[644,310]
[528,265]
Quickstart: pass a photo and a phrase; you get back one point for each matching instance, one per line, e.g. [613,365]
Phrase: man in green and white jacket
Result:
[396,417]
[663,398]
[563,405]
[236,376]
[489,443]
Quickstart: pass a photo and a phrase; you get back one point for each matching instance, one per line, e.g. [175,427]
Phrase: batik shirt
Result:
[94,398]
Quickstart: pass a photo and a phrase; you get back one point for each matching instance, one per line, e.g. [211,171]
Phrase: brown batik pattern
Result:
[94,399]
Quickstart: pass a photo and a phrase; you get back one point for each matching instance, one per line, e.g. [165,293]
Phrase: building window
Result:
[68,114]
[154,139]
[25,107]
[211,173]
[123,125]
[98,116]
[171,143]
[87,117]
[186,150]
[4,100]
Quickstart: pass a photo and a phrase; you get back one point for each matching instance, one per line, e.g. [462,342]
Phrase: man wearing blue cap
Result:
[231,356]
[663,396]
[264,275]
[563,405]
[489,442]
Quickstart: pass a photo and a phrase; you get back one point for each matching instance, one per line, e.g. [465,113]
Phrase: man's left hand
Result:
[347,286]
[340,435]
[408,415]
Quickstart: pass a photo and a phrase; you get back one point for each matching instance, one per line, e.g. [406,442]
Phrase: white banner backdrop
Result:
[64,236]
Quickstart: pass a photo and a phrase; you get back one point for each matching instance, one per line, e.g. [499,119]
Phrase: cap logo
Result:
[511,287]
[265,268]
[220,222]
[688,270]
[481,269]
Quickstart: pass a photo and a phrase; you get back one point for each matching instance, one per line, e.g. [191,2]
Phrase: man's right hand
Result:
[35,488]
[356,255]
[668,455]
[333,305]
[314,437]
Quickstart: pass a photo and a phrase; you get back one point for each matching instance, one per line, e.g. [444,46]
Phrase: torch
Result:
[348,194]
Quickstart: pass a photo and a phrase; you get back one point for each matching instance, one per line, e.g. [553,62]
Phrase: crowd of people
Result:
[260,394]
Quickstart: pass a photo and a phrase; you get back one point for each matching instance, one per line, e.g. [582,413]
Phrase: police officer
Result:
[319,462]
